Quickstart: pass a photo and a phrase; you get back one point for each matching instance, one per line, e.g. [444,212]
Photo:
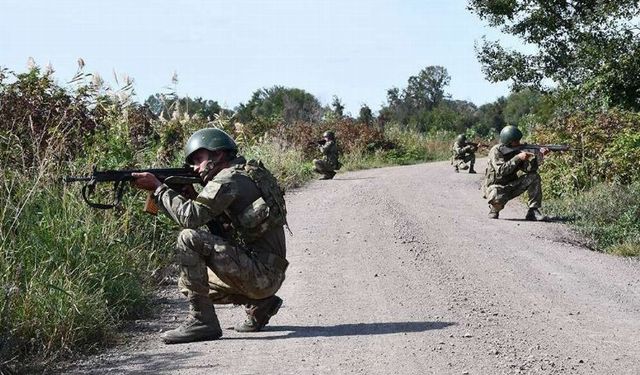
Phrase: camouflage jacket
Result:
[230,197]
[330,153]
[503,165]
[461,149]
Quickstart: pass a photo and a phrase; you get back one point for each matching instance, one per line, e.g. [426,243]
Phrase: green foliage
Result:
[366,115]
[609,214]
[270,106]
[589,45]
[424,92]
[608,144]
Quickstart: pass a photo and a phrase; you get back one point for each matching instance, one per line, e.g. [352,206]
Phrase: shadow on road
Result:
[353,179]
[355,329]
[549,219]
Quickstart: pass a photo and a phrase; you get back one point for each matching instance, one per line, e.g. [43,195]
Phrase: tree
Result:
[366,115]
[270,105]
[490,118]
[337,107]
[590,45]
[166,104]
[424,92]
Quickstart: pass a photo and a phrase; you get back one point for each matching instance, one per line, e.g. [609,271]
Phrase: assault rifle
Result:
[317,143]
[175,178]
[551,147]
[477,145]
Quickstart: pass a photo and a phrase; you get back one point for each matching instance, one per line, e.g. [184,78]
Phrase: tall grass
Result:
[409,147]
[608,215]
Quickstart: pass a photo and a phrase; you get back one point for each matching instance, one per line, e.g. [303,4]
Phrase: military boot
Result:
[328,175]
[259,313]
[494,210]
[201,325]
[534,214]
[472,171]
[457,169]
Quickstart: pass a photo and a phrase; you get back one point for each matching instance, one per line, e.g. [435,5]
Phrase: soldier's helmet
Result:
[329,135]
[461,138]
[211,139]
[509,134]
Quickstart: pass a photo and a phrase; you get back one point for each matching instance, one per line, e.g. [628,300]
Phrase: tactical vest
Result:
[265,213]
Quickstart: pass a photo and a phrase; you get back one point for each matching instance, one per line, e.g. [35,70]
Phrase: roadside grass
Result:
[70,274]
[608,215]
[411,147]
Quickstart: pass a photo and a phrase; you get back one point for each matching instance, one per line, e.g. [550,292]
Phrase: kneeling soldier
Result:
[240,259]
[511,171]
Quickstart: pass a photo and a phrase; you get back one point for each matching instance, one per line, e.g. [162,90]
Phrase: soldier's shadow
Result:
[352,179]
[354,329]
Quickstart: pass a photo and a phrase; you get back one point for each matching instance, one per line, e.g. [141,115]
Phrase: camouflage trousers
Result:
[529,182]
[210,265]
[461,161]
[322,166]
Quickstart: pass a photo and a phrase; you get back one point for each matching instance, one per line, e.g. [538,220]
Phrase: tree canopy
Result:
[590,45]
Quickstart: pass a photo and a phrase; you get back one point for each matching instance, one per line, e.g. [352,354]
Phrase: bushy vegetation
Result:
[608,215]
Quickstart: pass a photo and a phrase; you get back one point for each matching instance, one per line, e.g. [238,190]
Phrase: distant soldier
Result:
[511,171]
[464,154]
[329,162]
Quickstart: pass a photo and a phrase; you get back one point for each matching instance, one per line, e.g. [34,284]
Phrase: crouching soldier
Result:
[241,258]
[329,163]
[513,169]
[464,154]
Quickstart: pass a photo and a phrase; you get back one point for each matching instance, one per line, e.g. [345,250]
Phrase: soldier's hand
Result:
[544,150]
[526,155]
[145,181]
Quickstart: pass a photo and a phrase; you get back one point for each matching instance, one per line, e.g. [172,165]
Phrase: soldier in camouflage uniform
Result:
[329,162]
[464,154]
[240,259]
[511,171]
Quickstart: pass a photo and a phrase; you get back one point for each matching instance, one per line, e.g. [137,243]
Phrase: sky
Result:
[226,50]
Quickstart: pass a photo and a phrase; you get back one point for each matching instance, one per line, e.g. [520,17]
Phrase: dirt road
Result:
[398,271]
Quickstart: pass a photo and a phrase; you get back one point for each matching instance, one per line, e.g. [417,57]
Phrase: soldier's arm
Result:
[324,148]
[456,148]
[501,166]
[194,213]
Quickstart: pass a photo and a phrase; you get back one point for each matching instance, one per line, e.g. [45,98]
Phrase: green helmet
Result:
[509,134]
[211,139]
[329,135]
[461,138]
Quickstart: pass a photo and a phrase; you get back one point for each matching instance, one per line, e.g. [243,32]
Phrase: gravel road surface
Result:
[399,271]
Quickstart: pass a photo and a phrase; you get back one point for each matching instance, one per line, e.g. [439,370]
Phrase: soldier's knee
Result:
[186,239]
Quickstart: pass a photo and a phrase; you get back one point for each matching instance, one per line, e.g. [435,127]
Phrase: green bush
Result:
[608,214]
[607,144]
